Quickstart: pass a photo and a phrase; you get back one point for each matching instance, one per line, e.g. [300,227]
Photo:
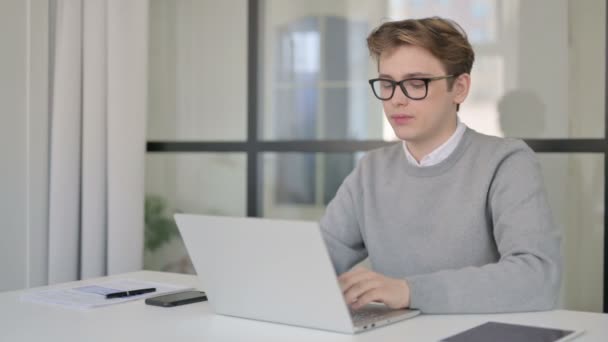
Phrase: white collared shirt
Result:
[441,152]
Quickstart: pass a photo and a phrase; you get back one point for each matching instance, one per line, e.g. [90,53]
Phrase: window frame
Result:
[254,147]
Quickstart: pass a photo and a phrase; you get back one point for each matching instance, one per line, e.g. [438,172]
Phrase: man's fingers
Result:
[363,287]
[348,280]
[357,290]
[346,275]
[372,295]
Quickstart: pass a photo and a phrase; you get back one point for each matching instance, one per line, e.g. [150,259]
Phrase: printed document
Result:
[94,295]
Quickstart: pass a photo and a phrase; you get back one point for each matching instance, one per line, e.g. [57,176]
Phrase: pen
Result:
[129,293]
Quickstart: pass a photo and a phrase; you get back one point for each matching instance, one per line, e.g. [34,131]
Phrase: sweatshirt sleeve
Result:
[340,227]
[527,275]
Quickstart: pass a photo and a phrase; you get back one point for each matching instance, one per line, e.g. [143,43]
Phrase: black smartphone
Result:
[176,299]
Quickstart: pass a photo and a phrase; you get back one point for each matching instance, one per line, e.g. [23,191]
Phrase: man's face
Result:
[426,122]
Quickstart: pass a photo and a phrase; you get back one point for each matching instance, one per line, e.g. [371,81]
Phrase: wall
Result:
[23,142]
[584,225]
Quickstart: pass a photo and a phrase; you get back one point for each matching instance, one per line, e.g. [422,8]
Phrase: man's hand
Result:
[362,286]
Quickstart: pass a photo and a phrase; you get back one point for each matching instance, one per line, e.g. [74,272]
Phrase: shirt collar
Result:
[441,152]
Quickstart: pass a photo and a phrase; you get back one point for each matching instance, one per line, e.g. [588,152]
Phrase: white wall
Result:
[584,225]
[587,53]
[23,142]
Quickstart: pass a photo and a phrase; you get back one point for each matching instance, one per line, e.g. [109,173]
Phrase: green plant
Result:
[160,228]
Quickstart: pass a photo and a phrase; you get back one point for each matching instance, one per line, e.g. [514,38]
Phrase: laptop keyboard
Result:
[369,313]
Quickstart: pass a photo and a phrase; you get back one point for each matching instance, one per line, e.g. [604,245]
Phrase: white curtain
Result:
[98,101]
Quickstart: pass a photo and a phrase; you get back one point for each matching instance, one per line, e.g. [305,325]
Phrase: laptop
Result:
[275,271]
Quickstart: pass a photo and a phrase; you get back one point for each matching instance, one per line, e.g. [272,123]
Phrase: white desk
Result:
[135,321]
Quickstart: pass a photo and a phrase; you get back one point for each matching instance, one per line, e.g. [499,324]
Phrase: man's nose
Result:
[399,97]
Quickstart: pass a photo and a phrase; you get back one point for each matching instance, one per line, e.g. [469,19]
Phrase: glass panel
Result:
[197,70]
[299,186]
[202,183]
[531,78]
[316,52]
[575,187]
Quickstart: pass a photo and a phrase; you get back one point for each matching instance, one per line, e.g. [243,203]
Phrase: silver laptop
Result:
[275,271]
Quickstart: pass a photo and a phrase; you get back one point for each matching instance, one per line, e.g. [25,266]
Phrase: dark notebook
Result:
[499,332]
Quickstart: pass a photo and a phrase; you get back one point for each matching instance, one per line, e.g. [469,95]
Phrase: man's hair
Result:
[443,38]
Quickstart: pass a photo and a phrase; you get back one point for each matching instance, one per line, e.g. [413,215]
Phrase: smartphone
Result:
[176,299]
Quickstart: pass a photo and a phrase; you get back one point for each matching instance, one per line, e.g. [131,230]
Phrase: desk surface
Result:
[24,321]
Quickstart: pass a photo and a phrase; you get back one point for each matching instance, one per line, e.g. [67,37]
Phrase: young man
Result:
[453,221]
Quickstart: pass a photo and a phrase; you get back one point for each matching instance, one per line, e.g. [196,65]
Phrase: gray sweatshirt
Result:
[472,234]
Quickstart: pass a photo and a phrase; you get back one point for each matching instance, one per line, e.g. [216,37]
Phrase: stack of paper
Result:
[91,296]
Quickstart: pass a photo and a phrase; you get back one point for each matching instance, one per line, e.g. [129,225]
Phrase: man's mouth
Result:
[401,119]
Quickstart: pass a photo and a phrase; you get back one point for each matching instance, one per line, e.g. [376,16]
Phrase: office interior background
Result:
[261,108]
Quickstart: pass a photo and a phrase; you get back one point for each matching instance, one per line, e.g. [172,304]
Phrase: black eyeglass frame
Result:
[401,83]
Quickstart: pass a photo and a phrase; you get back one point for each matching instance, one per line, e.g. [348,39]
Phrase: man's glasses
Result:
[413,88]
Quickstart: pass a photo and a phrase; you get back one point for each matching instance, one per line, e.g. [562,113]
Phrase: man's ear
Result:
[461,87]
